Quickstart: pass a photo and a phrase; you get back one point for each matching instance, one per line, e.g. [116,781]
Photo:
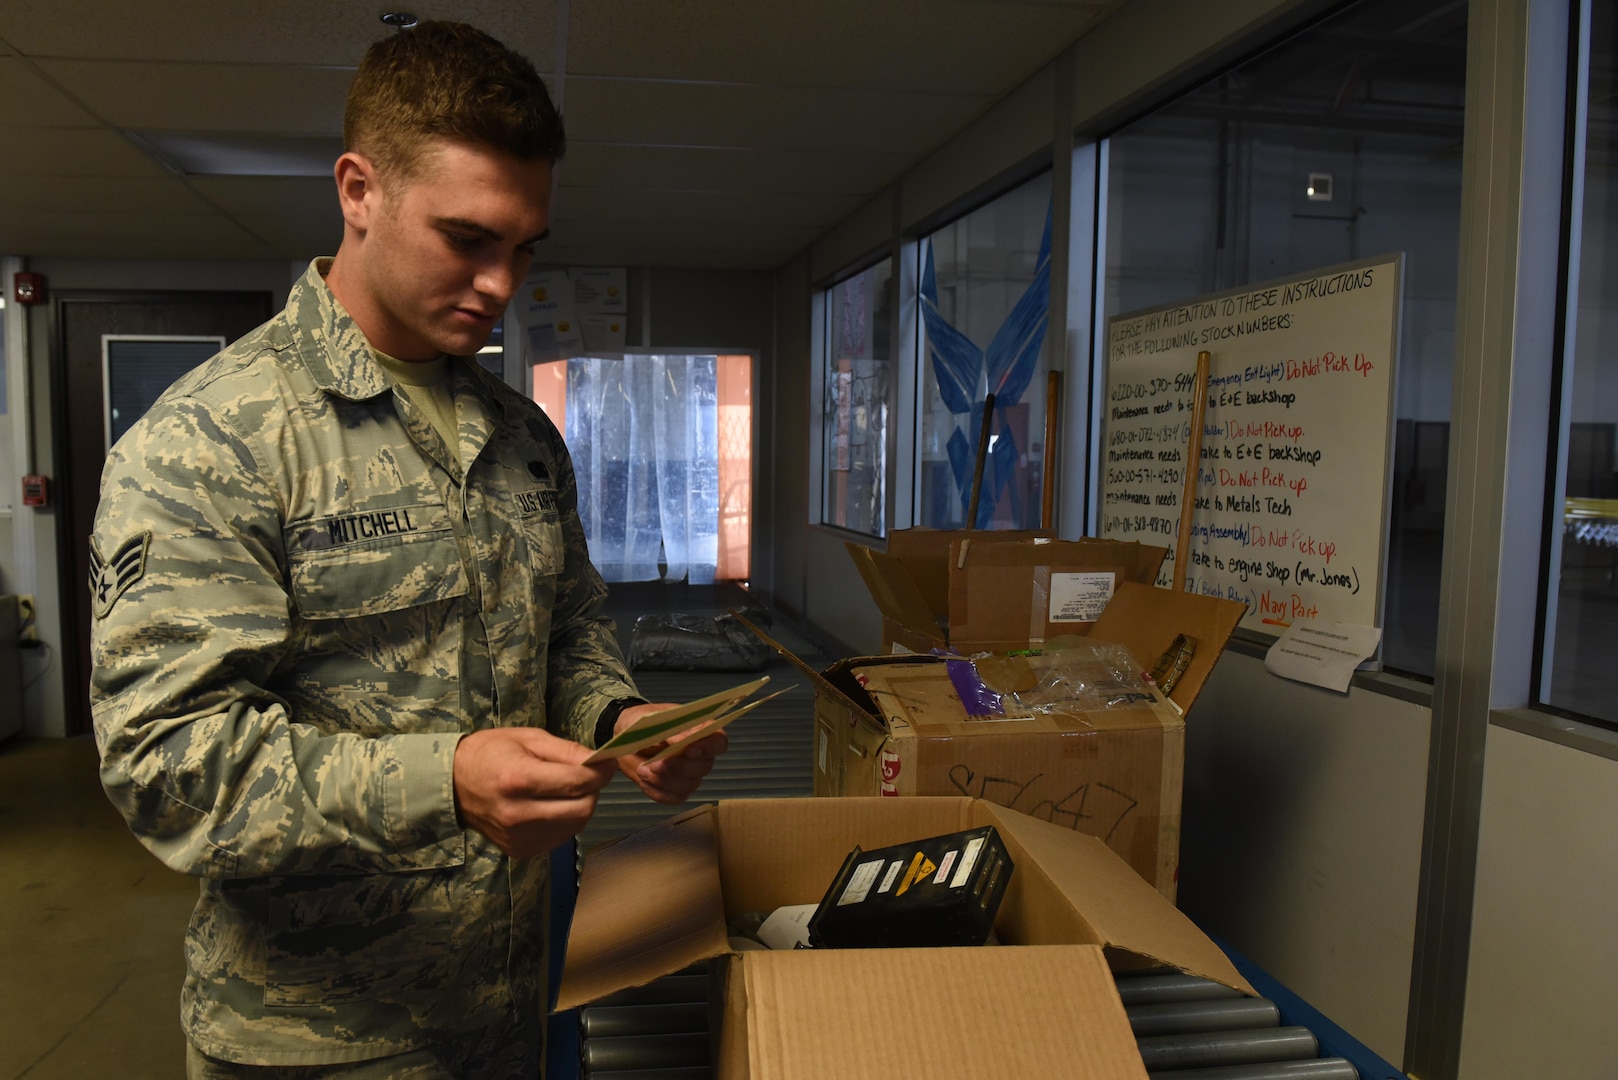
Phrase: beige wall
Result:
[1302,829]
[1542,987]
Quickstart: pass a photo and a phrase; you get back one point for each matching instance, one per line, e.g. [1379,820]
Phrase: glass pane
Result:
[1582,676]
[985,306]
[858,402]
[139,369]
[1341,143]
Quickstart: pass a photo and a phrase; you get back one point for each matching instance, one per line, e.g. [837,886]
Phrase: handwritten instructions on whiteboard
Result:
[1291,492]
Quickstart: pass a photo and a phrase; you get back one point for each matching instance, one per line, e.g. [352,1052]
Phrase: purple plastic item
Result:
[978,699]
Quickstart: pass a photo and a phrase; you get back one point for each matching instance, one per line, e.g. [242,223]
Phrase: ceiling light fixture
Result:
[399,20]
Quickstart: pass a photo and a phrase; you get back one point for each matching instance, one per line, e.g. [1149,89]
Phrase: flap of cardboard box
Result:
[1146,620]
[1011,593]
[822,682]
[1122,909]
[1036,1011]
[925,554]
[657,901]
[893,589]
[650,904]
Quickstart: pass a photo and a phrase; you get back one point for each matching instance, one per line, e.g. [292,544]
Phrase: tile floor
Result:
[90,960]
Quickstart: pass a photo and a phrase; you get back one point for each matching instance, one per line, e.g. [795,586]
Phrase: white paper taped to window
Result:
[1080,597]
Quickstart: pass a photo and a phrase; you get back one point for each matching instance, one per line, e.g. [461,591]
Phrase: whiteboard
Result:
[1294,477]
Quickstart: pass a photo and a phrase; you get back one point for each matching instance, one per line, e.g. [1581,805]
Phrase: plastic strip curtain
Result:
[644,435]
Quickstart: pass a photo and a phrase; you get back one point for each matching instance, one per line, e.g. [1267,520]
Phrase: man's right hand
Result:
[525,789]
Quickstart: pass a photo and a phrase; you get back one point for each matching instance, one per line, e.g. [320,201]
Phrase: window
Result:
[662,452]
[985,305]
[1341,143]
[858,402]
[137,368]
[1582,594]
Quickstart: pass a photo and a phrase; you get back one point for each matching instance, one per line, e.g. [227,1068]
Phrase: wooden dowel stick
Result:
[977,470]
[1193,465]
[1047,504]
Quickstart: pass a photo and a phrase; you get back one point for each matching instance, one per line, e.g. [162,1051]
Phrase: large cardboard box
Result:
[895,725]
[985,591]
[1043,1003]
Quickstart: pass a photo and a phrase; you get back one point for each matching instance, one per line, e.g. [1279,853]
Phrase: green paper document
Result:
[678,724]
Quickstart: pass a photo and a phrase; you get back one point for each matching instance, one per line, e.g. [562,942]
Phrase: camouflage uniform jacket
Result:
[301,603]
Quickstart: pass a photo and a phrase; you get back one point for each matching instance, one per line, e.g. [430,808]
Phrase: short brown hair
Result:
[446,80]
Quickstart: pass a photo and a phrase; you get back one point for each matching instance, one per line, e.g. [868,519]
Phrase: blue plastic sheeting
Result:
[963,372]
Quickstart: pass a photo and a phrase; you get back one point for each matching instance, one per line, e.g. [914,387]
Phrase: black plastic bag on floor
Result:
[681,642]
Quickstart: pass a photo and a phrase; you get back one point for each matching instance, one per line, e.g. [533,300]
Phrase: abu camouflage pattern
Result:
[324,605]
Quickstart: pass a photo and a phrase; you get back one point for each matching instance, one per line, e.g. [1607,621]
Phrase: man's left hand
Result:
[673,779]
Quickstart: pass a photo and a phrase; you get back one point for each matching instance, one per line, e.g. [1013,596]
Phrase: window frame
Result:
[819,352]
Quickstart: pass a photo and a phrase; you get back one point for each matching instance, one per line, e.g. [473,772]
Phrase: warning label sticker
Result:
[920,867]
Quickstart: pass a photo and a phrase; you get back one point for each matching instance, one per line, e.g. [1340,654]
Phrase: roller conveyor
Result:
[1187,1028]
[1189,1017]
[1316,1069]
[1205,1048]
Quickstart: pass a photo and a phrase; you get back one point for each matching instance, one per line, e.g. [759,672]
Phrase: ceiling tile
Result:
[767,242]
[788,117]
[629,168]
[298,237]
[74,152]
[948,46]
[127,236]
[644,253]
[33,102]
[653,208]
[101,194]
[262,195]
[208,97]
[286,32]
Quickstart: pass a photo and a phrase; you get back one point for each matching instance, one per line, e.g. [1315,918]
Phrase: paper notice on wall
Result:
[548,317]
[601,301]
[1322,653]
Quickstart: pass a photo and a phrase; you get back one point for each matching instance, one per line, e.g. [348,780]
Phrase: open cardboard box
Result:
[990,591]
[894,725]
[1043,1003]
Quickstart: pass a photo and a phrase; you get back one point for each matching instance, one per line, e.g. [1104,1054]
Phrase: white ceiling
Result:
[722,133]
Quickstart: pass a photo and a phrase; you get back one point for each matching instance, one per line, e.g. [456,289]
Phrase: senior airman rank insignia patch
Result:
[110,577]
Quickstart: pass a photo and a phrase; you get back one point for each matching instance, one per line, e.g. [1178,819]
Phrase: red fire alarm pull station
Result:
[35,490]
[29,288]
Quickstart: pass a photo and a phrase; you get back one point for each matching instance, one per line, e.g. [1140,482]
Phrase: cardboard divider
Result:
[939,1013]
[650,904]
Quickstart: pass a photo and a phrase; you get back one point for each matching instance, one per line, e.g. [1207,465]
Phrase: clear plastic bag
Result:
[1068,675]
